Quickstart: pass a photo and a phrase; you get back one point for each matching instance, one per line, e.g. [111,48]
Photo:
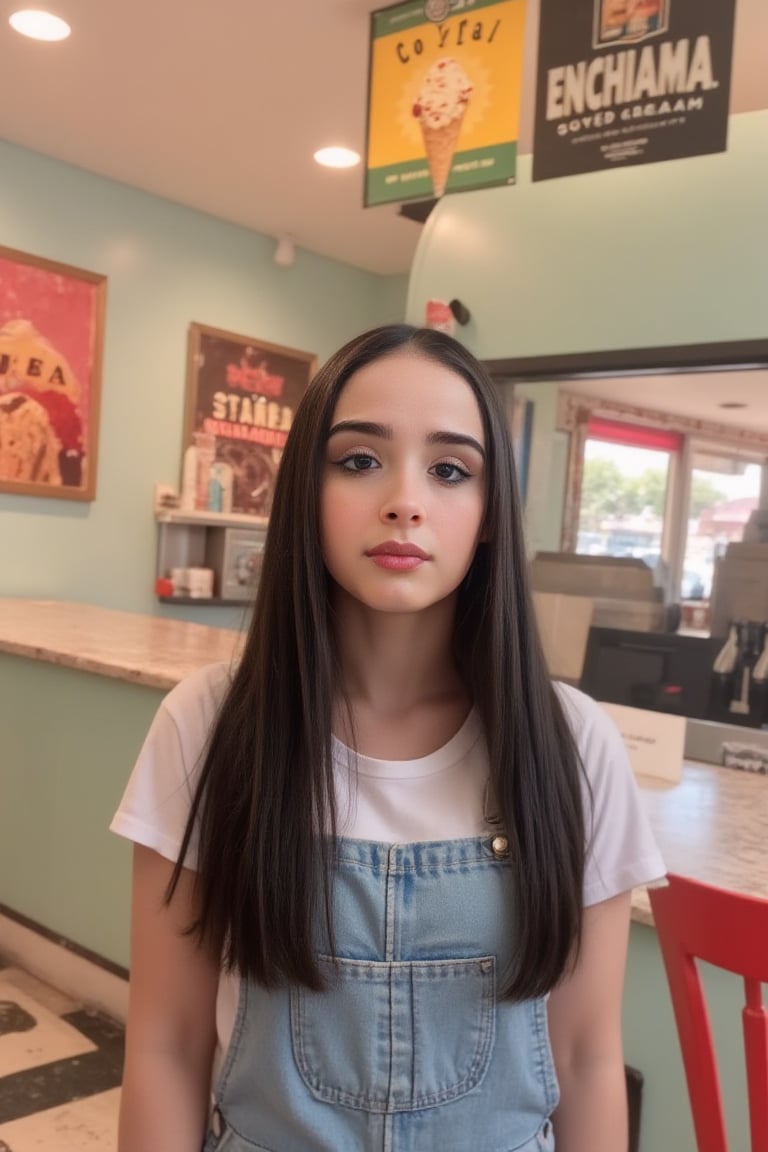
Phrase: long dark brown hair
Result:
[264,803]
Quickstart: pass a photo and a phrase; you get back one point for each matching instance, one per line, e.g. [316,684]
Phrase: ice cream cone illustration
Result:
[440,145]
[440,108]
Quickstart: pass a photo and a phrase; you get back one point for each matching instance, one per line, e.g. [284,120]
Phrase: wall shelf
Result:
[229,543]
[209,519]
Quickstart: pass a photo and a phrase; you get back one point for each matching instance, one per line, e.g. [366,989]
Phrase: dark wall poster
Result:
[242,394]
[624,82]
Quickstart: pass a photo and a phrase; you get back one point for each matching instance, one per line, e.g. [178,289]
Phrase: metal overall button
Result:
[500,847]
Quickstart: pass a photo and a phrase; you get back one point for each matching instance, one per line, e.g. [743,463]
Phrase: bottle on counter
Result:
[189,479]
[205,445]
[220,488]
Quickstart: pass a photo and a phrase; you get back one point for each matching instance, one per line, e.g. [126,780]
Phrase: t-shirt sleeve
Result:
[156,803]
[621,851]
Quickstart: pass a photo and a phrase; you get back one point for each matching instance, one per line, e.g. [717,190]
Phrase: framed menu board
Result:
[240,399]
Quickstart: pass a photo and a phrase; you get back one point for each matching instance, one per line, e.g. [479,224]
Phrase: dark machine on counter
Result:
[700,677]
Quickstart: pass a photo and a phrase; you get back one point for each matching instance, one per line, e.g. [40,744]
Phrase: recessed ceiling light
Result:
[39,25]
[337,157]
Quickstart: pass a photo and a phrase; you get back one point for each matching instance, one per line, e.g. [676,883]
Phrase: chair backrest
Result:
[729,930]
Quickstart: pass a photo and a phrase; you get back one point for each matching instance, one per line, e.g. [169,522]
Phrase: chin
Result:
[394,606]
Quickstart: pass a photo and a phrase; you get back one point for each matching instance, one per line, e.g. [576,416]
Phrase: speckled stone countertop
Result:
[141,649]
[713,825]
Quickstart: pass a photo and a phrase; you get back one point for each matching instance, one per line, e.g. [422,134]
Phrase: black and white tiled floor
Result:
[60,1070]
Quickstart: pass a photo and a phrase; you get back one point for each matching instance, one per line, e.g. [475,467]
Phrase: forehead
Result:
[412,389]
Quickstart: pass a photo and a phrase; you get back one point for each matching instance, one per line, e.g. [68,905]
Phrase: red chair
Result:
[730,931]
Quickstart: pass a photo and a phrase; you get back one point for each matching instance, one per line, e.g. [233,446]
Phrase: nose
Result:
[402,503]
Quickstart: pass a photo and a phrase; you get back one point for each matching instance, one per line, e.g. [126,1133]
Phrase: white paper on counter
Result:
[655,741]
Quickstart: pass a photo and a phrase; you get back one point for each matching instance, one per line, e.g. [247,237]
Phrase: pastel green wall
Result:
[166,266]
[69,742]
[672,253]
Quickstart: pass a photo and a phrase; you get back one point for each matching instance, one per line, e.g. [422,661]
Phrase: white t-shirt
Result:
[441,796]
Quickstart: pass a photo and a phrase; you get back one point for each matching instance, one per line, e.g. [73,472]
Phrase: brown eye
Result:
[358,462]
[450,473]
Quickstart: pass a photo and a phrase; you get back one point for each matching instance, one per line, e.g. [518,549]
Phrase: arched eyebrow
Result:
[385,432]
[458,438]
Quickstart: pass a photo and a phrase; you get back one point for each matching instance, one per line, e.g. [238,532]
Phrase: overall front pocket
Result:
[395,1036]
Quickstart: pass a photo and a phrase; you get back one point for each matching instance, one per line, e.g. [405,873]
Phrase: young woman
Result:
[382,867]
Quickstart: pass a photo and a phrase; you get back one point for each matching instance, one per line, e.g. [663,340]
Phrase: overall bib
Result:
[409,1048]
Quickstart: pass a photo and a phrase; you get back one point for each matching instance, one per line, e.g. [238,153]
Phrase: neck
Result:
[395,662]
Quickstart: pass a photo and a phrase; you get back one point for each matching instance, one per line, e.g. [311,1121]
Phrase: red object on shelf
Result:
[163,587]
[730,930]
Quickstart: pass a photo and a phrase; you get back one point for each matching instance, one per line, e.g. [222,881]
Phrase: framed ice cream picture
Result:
[444,90]
[51,339]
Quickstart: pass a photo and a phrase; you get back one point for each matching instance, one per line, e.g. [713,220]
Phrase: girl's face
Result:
[403,489]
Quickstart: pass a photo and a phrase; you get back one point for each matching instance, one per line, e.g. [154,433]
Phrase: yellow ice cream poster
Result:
[444,89]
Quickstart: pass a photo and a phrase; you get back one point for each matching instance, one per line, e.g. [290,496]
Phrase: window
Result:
[626,477]
[724,490]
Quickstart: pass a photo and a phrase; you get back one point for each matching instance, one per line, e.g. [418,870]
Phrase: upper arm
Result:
[171,1031]
[173,980]
[585,1007]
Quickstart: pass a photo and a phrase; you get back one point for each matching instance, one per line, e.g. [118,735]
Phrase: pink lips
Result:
[397,557]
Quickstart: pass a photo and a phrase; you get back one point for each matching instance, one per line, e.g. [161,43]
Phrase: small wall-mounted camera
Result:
[461,313]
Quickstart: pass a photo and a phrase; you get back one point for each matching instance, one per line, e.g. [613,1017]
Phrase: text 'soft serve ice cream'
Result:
[440,108]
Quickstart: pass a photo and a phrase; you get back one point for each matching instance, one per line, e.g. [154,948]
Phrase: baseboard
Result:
[62,968]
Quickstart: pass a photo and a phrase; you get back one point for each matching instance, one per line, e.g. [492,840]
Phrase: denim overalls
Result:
[409,1048]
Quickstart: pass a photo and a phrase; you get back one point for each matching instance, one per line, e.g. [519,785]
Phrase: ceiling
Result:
[219,106]
[695,395]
